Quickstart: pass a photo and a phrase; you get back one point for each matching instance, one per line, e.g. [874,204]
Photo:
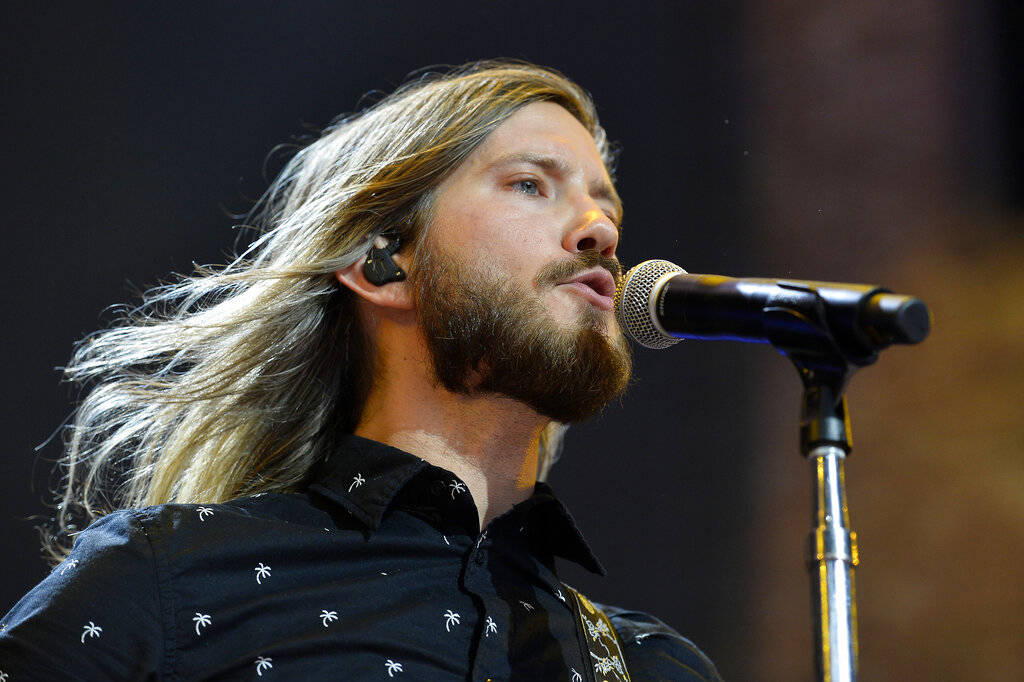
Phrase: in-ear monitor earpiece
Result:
[380,267]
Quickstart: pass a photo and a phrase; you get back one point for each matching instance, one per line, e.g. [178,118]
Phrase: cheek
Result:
[517,250]
[492,237]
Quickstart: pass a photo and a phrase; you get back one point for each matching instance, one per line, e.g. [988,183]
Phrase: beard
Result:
[488,334]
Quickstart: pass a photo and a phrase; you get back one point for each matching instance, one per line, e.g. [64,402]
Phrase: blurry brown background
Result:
[866,121]
[863,142]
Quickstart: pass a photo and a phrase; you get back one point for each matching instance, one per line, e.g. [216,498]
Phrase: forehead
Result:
[544,123]
[544,130]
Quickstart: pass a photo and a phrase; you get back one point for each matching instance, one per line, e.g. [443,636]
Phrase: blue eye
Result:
[527,187]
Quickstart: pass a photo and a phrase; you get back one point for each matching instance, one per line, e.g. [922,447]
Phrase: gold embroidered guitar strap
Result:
[601,641]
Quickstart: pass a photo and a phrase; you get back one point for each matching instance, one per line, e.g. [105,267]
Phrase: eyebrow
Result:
[600,188]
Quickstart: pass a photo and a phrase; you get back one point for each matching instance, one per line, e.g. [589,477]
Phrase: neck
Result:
[490,442]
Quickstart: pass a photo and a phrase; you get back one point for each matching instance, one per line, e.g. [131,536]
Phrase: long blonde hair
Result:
[237,380]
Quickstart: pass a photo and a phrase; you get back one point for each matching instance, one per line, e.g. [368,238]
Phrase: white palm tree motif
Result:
[3,676]
[204,512]
[92,630]
[457,487]
[576,677]
[558,593]
[262,571]
[70,563]
[263,663]
[450,618]
[327,616]
[393,667]
[526,605]
[491,627]
[201,619]
[357,481]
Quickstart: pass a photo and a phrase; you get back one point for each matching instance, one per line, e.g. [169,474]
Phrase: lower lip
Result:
[602,302]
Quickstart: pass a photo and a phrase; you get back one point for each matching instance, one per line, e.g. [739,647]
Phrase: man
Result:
[328,456]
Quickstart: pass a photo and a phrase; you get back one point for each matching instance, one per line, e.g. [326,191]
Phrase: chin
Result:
[575,313]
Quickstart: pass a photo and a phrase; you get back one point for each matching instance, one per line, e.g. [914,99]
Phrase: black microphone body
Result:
[856,320]
[750,309]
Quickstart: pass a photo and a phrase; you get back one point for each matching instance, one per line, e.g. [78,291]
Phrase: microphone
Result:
[657,304]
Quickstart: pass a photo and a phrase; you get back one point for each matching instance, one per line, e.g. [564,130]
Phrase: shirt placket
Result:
[490,661]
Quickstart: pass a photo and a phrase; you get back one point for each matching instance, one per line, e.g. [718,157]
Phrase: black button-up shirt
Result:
[377,570]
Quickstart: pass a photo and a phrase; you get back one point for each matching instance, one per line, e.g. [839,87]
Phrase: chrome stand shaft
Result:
[832,558]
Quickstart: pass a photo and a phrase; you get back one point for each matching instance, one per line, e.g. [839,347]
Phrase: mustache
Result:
[559,271]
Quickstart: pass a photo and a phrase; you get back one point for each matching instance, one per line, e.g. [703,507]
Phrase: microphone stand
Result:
[828,331]
[832,547]
[825,355]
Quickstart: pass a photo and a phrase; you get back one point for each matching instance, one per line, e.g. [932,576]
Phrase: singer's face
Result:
[527,202]
[513,284]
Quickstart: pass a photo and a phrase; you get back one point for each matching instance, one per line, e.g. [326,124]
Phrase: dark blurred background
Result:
[870,141]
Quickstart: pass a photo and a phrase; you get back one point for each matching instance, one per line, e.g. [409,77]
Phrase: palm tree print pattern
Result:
[328,616]
[491,627]
[450,618]
[393,667]
[204,512]
[262,571]
[357,481]
[201,619]
[457,487]
[263,663]
[92,630]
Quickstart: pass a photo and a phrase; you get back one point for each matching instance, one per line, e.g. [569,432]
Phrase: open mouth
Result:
[596,285]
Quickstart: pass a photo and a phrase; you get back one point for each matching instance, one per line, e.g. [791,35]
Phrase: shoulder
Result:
[116,600]
[127,549]
[173,528]
[111,547]
[114,551]
[655,651]
[99,603]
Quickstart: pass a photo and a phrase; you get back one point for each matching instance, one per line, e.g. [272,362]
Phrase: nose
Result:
[595,231]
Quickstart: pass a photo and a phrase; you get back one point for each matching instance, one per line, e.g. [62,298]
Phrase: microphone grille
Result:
[632,303]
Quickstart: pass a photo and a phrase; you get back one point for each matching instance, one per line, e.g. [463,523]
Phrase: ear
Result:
[394,295]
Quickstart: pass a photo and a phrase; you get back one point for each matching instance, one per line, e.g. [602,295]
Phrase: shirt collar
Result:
[553,530]
[364,477]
